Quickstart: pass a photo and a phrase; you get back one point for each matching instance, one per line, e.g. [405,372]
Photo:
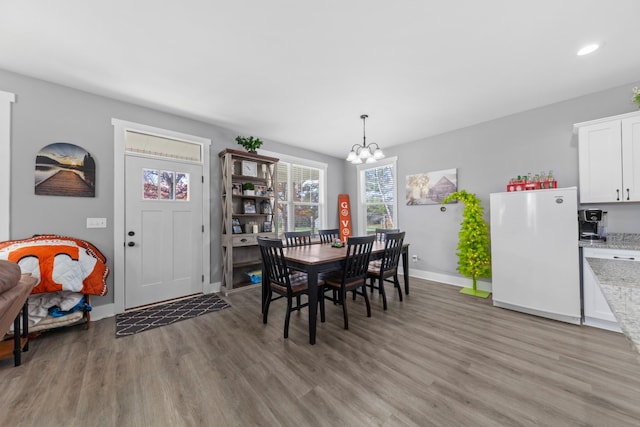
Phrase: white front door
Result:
[163,230]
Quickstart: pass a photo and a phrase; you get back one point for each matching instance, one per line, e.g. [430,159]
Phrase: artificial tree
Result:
[474,250]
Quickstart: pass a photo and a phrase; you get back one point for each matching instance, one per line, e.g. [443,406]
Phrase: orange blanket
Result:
[59,263]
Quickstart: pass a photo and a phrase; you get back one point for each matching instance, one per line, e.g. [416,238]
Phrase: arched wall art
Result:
[64,169]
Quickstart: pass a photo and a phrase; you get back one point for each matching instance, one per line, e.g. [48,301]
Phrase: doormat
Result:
[165,314]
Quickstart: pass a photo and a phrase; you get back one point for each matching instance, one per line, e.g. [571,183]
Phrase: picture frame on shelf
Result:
[249,206]
[265,207]
[235,221]
[236,188]
[237,229]
[261,190]
[266,227]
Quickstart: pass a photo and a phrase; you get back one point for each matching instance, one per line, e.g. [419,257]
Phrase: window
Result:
[377,196]
[301,196]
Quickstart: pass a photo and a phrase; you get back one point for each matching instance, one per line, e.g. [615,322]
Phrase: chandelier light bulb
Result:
[364,152]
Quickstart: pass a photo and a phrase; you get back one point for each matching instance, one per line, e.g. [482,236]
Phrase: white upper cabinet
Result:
[609,159]
[631,158]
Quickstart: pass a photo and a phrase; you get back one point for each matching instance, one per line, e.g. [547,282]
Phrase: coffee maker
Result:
[592,224]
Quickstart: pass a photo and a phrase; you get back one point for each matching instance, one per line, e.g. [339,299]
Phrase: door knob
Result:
[131,244]
[131,233]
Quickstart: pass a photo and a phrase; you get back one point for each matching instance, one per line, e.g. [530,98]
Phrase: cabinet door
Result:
[631,159]
[600,162]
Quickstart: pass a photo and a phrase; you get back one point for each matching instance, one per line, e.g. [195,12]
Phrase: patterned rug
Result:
[133,322]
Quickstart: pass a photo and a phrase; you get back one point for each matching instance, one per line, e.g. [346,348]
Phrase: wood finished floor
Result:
[437,359]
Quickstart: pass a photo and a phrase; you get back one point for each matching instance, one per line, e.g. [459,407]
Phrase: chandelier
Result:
[365,153]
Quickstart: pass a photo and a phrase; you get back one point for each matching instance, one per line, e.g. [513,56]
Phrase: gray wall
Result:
[487,155]
[45,113]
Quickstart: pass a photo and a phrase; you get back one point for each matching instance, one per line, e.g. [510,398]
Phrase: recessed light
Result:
[590,48]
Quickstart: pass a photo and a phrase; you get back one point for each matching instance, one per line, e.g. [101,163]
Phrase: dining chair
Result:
[298,238]
[278,280]
[386,269]
[381,236]
[381,233]
[353,275]
[328,235]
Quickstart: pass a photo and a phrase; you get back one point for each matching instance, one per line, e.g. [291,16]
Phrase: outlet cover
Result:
[96,222]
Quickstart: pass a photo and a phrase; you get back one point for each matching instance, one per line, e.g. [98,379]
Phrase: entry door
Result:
[164,230]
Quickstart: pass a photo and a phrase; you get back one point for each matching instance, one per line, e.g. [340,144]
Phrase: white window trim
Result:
[6,99]
[119,141]
[362,220]
[322,193]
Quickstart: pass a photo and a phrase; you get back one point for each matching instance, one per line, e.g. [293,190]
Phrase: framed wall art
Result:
[431,188]
[64,169]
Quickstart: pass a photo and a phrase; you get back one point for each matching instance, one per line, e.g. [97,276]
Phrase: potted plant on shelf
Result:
[249,143]
[474,250]
[248,189]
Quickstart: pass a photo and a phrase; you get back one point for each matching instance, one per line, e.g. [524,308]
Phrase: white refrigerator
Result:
[534,252]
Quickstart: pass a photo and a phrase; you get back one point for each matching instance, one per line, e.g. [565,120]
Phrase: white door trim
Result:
[6,99]
[120,129]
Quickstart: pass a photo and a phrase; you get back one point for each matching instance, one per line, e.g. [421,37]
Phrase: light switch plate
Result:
[96,222]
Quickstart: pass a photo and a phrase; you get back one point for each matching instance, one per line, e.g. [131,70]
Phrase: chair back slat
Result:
[357,258]
[275,268]
[297,238]
[381,233]
[327,236]
[392,251]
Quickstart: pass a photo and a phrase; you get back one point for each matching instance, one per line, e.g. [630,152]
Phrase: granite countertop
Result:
[620,284]
[628,241]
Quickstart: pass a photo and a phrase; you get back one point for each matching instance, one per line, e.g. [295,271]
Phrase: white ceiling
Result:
[302,72]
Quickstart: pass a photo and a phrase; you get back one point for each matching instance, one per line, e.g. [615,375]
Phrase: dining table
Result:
[323,257]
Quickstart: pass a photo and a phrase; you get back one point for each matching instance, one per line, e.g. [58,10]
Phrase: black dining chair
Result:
[353,275]
[381,233]
[386,269]
[278,280]
[297,238]
[381,236]
[328,235]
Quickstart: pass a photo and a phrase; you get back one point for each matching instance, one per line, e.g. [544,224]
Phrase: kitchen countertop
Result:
[628,241]
[620,284]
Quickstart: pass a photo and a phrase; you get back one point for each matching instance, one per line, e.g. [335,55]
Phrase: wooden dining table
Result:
[321,258]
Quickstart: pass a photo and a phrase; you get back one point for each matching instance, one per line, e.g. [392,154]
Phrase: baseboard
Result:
[212,288]
[102,311]
[602,324]
[108,310]
[462,282]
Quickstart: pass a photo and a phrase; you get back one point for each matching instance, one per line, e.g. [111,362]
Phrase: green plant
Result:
[474,250]
[636,95]
[248,186]
[249,143]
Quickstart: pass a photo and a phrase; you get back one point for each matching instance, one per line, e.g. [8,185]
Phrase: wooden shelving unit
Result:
[240,252]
